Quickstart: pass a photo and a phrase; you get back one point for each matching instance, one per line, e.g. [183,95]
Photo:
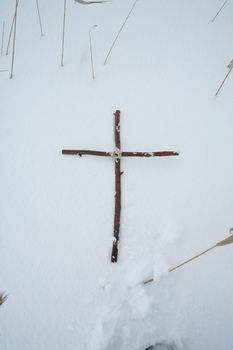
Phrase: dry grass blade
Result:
[39,17]
[3,33]
[63,34]
[91,51]
[10,34]
[230,66]
[118,34]
[13,52]
[225,2]
[3,298]
[226,241]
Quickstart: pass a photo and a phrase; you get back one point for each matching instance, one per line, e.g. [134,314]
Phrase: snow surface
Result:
[57,211]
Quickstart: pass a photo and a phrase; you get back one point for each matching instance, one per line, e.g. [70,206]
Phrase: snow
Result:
[57,211]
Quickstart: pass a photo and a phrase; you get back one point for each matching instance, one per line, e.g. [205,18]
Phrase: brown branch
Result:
[86,152]
[117,130]
[117,190]
[149,154]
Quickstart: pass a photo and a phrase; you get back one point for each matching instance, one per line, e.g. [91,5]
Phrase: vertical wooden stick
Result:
[118,34]
[117,188]
[14,38]
[10,34]
[3,33]
[39,17]
[63,34]
[213,19]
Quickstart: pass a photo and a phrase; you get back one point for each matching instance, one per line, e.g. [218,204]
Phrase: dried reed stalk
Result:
[63,34]
[230,66]
[118,34]
[14,38]
[3,33]
[226,241]
[213,19]
[39,17]
[91,51]
[3,298]
[10,34]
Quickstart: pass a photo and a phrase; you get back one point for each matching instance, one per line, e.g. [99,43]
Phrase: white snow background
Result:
[57,211]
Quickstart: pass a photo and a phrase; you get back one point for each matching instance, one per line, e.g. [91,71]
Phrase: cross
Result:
[116,155]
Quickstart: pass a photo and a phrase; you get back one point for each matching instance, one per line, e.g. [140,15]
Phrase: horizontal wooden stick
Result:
[86,152]
[118,155]
[149,154]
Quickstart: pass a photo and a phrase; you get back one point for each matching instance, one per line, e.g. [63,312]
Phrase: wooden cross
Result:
[117,155]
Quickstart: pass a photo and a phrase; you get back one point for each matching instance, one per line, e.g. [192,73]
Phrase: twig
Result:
[86,152]
[149,154]
[10,34]
[14,38]
[226,241]
[63,34]
[117,190]
[3,33]
[39,17]
[213,19]
[230,66]
[118,34]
